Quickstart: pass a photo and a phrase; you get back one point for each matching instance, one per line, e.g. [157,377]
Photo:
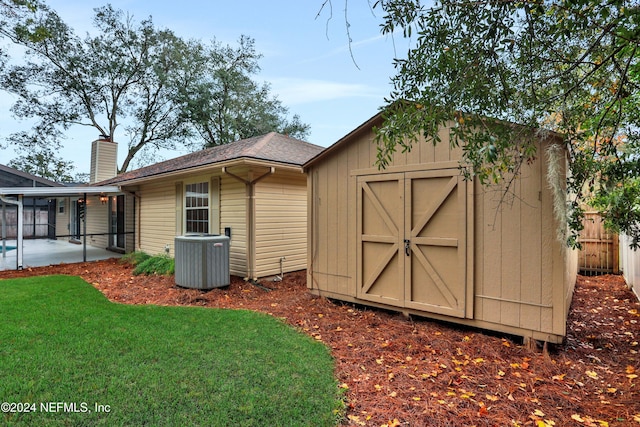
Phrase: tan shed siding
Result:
[531,185]
[521,277]
[281,224]
[157,205]
[518,256]
[233,208]
[332,253]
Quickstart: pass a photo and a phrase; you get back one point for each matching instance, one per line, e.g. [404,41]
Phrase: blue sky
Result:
[305,59]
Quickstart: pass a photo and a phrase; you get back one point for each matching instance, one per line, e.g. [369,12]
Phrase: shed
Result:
[630,264]
[417,238]
[253,189]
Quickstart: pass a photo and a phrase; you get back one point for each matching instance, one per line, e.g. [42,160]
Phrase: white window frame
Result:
[212,207]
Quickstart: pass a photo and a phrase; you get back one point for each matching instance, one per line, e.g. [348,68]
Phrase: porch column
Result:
[20,223]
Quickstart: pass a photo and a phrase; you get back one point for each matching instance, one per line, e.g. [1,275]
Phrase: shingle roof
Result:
[270,147]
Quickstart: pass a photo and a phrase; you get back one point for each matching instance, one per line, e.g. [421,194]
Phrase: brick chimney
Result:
[104,159]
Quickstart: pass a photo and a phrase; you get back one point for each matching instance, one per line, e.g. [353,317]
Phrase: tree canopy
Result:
[135,82]
[45,164]
[500,73]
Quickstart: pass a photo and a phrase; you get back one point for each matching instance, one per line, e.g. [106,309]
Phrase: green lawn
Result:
[62,341]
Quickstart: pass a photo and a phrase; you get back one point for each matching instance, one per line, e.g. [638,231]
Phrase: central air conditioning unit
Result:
[202,261]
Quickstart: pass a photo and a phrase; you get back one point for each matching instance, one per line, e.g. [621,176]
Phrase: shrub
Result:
[159,264]
[135,258]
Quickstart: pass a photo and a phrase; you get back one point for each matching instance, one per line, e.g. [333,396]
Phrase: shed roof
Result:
[376,120]
[272,147]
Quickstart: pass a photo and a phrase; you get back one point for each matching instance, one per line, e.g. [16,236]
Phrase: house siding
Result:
[97,216]
[104,161]
[157,207]
[63,220]
[281,223]
[233,214]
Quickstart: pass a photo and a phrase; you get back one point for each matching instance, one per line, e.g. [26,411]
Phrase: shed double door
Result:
[411,240]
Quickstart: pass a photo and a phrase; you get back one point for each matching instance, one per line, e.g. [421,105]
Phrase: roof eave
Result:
[241,161]
[58,191]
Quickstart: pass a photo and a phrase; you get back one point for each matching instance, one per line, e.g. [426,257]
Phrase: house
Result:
[253,190]
[416,237]
[36,208]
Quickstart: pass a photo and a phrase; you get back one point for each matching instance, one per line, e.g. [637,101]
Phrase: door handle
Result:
[407,247]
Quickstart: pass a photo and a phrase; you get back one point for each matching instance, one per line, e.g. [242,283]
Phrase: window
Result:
[197,207]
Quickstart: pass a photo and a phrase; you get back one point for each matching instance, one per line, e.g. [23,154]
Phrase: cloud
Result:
[296,91]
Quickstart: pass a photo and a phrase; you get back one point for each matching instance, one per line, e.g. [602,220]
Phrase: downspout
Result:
[250,191]
[20,223]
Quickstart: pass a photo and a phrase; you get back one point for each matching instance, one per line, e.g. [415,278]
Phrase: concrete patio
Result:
[43,252]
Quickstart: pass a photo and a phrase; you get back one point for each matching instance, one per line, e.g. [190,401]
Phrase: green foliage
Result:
[135,258]
[154,88]
[226,105]
[45,164]
[158,264]
[621,209]
[500,74]
[63,341]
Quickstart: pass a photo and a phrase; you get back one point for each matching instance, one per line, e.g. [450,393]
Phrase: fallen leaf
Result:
[482,411]
[577,418]
[592,374]
[356,419]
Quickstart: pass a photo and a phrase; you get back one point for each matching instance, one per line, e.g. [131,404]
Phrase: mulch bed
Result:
[398,371]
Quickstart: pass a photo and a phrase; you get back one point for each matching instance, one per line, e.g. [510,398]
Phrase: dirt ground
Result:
[397,371]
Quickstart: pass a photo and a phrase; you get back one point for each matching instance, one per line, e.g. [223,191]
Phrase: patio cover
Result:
[14,196]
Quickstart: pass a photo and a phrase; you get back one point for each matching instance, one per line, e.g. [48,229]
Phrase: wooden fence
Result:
[600,249]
